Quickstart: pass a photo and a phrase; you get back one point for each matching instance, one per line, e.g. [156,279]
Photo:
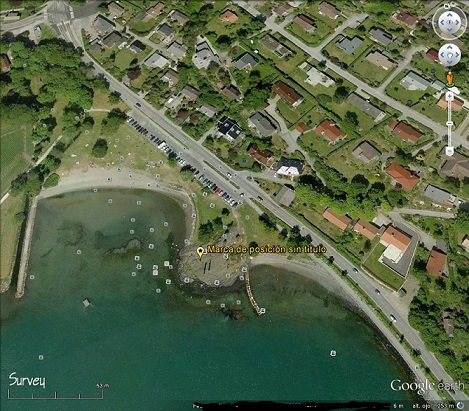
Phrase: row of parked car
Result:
[165,148]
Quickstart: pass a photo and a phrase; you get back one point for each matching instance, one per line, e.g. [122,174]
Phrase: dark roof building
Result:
[208,110]
[436,194]
[262,123]
[272,44]
[287,93]
[455,165]
[137,47]
[285,196]
[327,9]
[179,17]
[166,32]
[289,167]
[246,61]
[231,92]
[191,93]
[380,36]
[177,50]
[171,76]
[366,152]
[349,45]
[406,19]
[282,9]
[305,22]
[364,105]
[102,25]
[432,55]
[113,39]
[229,129]
[116,10]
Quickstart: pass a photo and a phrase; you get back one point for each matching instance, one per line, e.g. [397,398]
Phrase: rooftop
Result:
[156,60]
[349,45]
[231,92]
[436,262]
[329,129]
[436,194]
[379,59]
[404,131]
[406,18]
[245,61]
[395,237]
[289,166]
[228,16]
[413,81]
[263,124]
[287,93]
[285,196]
[264,157]
[402,176]
[364,105]
[179,17]
[328,10]
[369,230]
[305,22]
[341,221]
[456,104]
[380,36]
[366,152]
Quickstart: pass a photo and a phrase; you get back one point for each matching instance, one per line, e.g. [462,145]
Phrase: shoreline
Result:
[99,178]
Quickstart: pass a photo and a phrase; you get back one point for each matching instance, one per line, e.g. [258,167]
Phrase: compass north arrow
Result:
[449,48]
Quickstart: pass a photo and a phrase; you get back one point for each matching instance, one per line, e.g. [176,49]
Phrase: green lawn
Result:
[16,150]
[369,72]
[397,92]
[380,271]
[10,231]
[293,115]
[336,52]
[124,57]
[315,218]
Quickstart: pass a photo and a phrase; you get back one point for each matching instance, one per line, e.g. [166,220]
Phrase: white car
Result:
[393,319]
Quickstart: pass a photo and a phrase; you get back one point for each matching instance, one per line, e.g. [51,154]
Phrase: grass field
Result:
[10,231]
[369,72]
[15,153]
[335,51]
[380,271]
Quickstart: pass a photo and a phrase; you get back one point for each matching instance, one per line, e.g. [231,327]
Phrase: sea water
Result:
[144,350]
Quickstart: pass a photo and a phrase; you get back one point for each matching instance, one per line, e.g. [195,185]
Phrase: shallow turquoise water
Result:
[162,351]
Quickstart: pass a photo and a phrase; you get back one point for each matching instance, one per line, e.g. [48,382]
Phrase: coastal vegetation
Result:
[438,294]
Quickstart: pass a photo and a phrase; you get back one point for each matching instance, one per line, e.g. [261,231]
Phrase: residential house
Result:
[228,129]
[6,64]
[456,104]
[95,47]
[155,11]
[315,76]
[156,61]
[305,22]
[436,263]
[265,157]
[11,16]
[404,131]
[396,243]
[401,176]
[190,93]
[204,55]
[327,9]
[166,32]
[365,228]
[282,9]
[272,44]
[413,81]
[349,45]
[262,123]
[328,129]
[228,17]
[115,9]
[365,106]
[102,25]
[289,167]
[177,51]
[366,152]
[436,194]
[245,62]
[301,127]
[137,47]
[287,93]
[465,242]
[379,59]
[285,196]
[380,36]
[231,92]
[407,19]
[113,39]
[171,76]
[456,165]
[448,323]
[178,17]
[432,55]
[341,221]
[208,110]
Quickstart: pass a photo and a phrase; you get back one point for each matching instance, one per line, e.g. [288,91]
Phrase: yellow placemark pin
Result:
[200,252]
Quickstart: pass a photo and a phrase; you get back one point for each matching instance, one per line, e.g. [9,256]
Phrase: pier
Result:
[26,250]
[254,304]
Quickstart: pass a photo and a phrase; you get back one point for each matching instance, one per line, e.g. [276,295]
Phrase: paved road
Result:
[428,213]
[197,154]
[315,52]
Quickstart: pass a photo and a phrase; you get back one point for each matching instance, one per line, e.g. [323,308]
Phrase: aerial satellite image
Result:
[234,205]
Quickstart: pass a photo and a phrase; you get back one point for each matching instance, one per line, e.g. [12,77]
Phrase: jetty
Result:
[254,304]
[26,250]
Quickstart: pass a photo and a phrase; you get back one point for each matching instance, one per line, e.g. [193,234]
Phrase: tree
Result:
[52,180]
[223,42]
[114,97]
[113,121]
[225,211]
[323,99]
[351,119]
[19,217]
[99,149]
[341,94]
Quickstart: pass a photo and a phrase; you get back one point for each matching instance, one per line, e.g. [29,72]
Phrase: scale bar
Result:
[55,397]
